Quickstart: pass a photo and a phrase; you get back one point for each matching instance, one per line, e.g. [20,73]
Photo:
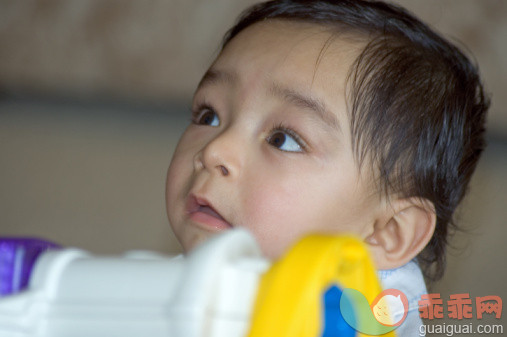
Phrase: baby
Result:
[344,116]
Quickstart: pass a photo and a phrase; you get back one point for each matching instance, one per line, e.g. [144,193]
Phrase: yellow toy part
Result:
[290,296]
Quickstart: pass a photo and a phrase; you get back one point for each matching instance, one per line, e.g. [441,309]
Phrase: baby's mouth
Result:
[210,211]
[202,212]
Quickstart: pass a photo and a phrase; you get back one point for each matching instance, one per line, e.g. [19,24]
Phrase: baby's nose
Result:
[222,155]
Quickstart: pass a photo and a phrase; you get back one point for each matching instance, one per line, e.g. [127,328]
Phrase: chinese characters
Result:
[459,306]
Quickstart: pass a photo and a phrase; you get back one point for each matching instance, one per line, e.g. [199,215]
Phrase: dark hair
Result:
[417,106]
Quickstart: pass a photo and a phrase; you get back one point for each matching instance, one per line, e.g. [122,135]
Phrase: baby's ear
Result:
[402,232]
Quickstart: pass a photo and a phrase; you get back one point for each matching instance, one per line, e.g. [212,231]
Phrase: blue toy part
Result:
[334,324]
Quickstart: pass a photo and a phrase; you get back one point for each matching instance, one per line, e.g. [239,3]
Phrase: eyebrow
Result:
[213,76]
[306,102]
[289,95]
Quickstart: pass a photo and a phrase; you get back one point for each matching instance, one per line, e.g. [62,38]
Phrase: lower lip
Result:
[208,221]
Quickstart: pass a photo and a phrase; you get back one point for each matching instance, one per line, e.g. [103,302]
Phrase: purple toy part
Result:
[17,258]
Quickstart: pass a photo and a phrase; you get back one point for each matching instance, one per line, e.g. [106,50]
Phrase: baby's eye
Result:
[284,141]
[207,117]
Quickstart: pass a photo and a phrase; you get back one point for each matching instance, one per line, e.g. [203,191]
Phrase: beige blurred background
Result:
[94,95]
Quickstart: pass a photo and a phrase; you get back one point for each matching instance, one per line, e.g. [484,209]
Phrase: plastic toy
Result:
[17,258]
[225,288]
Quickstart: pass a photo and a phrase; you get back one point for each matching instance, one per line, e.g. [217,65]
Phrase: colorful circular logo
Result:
[386,312]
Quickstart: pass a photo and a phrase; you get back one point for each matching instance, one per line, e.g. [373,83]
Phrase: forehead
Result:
[284,42]
[300,57]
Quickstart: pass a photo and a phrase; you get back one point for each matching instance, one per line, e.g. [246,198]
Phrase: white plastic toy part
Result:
[74,294]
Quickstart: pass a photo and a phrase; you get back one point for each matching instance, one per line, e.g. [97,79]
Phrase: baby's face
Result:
[269,147]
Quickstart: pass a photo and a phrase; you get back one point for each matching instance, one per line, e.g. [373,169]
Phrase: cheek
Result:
[269,216]
[277,212]
[181,164]
[178,175]
[281,210]
[174,178]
